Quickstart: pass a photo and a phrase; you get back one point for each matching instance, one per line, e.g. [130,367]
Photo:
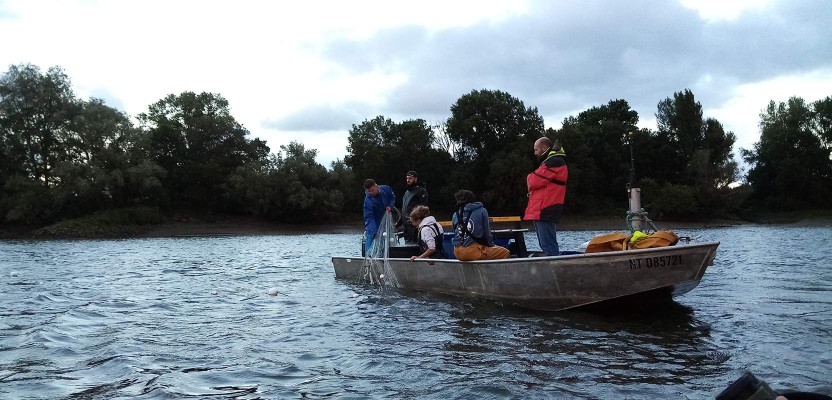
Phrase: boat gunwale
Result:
[550,258]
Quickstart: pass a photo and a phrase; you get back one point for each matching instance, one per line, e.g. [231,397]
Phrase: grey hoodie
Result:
[478,226]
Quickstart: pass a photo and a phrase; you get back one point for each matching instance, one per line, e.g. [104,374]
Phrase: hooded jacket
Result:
[477,227]
[547,188]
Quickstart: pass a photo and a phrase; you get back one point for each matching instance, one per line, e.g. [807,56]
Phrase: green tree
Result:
[688,150]
[367,145]
[345,181]
[791,167]
[305,190]
[823,121]
[484,122]
[36,111]
[598,156]
[198,142]
[680,133]
[385,150]
[106,165]
[494,132]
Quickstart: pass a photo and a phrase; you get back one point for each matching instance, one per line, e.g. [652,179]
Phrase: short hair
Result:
[464,196]
[546,141]
[419,212]
[369,183]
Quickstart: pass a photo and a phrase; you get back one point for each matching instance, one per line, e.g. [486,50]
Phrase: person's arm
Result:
[486,228]
[539,178]
[391,199]
[431,242]
[429,252]
[423,197]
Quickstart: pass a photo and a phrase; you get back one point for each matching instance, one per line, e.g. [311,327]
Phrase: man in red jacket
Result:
[547,188]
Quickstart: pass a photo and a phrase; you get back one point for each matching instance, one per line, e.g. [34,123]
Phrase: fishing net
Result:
[377,268]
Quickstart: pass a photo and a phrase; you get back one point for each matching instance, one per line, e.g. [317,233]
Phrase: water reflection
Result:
[661,345]
[174,318]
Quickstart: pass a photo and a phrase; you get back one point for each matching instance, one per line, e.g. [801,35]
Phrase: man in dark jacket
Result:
[547,189]
[414,195]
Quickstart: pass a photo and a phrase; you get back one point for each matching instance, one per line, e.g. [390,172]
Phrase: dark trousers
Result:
[408,232]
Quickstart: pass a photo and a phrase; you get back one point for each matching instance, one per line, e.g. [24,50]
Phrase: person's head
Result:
[412,177]
[464,197]
[418,214]
[542,146]
[371,187]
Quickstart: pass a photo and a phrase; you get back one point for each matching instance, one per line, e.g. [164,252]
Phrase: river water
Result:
[172,318]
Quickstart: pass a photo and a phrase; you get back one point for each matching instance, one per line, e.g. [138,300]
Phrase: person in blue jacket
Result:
[378,200]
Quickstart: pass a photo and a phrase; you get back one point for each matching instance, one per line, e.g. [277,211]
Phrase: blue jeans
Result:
[547,236]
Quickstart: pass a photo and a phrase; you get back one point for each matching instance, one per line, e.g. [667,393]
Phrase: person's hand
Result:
[413,258]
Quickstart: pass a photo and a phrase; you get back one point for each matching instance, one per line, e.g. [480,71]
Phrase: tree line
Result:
[63,157]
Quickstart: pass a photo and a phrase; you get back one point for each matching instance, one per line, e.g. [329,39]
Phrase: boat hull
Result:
[550,283]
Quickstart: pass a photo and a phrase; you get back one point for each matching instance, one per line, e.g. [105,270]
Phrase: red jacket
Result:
[547,188]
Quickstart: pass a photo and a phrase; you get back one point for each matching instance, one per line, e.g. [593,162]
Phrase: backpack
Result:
[439,239]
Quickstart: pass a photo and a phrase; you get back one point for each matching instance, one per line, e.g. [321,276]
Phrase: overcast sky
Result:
[307,71]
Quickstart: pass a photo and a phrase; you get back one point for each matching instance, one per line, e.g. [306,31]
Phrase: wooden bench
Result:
[516,220]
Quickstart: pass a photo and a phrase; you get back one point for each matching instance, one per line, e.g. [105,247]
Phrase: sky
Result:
[308,71]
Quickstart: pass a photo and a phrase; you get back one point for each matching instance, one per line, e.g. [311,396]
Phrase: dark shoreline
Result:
[247,226]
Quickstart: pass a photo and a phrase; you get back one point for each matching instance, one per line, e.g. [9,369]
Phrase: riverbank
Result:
[254,226]
[187,226]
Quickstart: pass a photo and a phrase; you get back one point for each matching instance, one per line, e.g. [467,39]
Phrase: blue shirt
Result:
[375,206]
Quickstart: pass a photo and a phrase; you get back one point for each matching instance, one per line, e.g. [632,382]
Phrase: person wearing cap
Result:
[415,194]
[472,231]
[547,189]
[378,199]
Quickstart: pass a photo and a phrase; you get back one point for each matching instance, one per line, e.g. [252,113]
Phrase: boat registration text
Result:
[655,262]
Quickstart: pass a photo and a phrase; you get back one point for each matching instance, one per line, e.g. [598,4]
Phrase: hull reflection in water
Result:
[551,283]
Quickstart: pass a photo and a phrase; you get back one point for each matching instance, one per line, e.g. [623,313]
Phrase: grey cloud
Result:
[322,118]
[566,56]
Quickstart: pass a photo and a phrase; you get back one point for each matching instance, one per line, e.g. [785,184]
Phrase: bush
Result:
[675,201]
[112,223]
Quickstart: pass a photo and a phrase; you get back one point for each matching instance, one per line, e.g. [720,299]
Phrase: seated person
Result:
[472,231]
[429,235]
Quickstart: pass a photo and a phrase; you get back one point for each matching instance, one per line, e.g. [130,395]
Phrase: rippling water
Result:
[191,317]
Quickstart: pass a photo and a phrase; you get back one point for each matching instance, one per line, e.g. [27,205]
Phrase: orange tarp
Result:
[621,241]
